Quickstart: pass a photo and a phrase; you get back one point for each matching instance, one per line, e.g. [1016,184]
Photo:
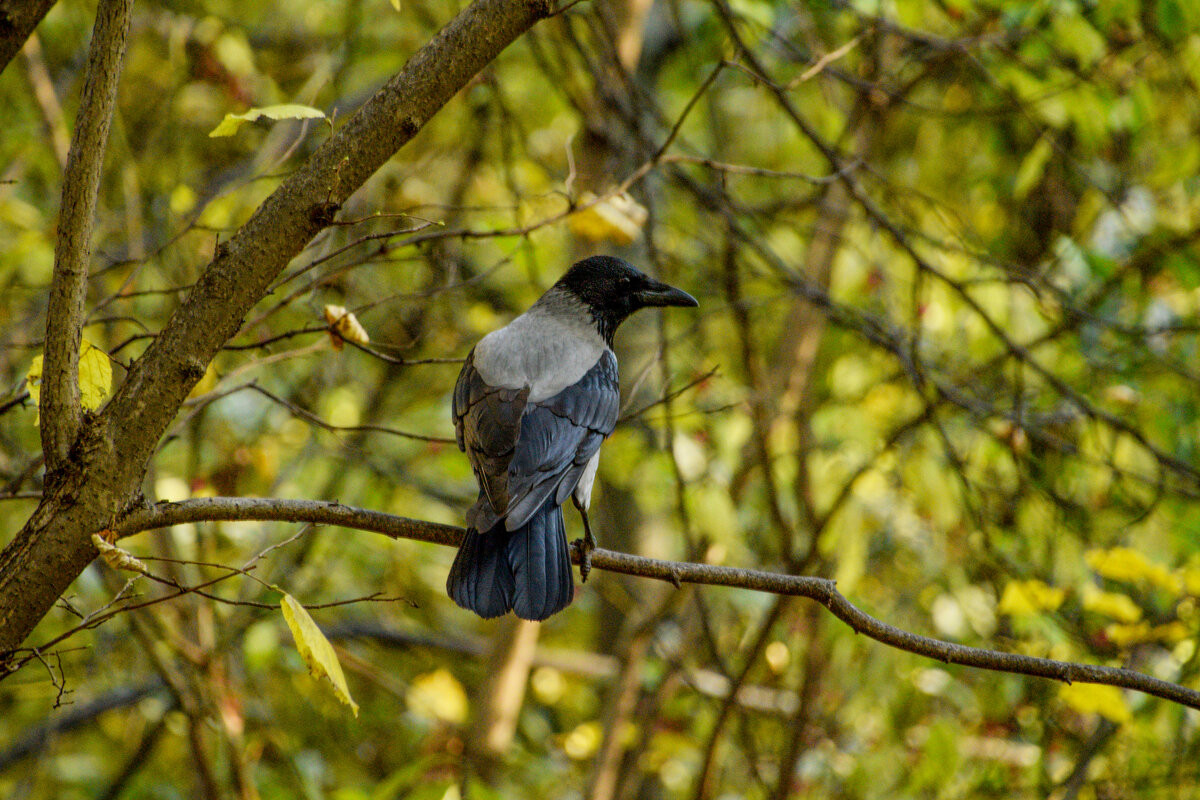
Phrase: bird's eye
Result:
[624,281]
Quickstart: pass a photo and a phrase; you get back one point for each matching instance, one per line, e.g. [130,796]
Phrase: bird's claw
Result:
[585,546]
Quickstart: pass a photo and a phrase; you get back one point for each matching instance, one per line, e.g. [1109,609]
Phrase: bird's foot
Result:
[585,546]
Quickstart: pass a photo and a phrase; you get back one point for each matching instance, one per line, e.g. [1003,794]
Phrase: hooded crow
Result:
[532,404]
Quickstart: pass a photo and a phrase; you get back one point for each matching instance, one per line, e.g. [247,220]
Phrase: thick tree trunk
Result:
[101,476]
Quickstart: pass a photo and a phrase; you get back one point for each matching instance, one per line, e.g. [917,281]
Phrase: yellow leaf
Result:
[1027,598]
[205,384]
[1032,167]
[1171,632]
[583,741]
[438,695]
[1090,698]
[232,122]
[95,378]
[343,325]
[1126,564]
[33,381]
[617,219]
[1123,635]
[1111,604]
[316,650]
[777,656]
[1191,579]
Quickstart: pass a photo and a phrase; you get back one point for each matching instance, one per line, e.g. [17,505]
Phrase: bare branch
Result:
[822,590]
[61,411]
[309,416]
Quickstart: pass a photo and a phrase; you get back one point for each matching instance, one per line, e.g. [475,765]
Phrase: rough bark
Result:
[102,481]
[18,18]
[60,409]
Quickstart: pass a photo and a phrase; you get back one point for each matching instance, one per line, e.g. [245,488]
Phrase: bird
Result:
[533,403]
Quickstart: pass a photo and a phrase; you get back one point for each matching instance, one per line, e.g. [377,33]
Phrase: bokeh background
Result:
[946,256]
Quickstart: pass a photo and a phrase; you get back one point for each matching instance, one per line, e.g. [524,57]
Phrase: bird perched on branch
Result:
[532,405]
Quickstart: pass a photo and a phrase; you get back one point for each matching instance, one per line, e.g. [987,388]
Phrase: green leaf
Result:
[1185,268]
[1074,34]
[1171,22]
[232,122]
[315,648]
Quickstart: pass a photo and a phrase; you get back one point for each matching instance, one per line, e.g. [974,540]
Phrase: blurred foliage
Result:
[960,379]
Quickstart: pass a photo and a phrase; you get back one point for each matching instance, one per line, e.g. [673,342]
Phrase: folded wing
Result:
[524,453]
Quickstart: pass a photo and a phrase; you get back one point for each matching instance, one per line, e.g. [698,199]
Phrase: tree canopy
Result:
[942,381]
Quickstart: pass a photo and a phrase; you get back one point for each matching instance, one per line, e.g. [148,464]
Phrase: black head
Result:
[612,290]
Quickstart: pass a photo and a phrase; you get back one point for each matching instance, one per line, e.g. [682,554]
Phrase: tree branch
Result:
[112,452]
[61,411]
[821,590]
[18,18]
[304,204]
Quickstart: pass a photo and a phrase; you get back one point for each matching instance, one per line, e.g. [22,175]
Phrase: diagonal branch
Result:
[304,204]
[113,450]
[61,411]
[18,18]
[821,590]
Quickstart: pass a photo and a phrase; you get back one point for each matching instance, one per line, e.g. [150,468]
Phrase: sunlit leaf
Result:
[1079,38]
[1031,169]
[777,656]
[438,695]
[232,122]
[548,685]
[316,650]
[1129,565]
[1124,634]
[95,378]
[205,384]
[1090,698]
[33,380]
[1111,604]
[1190,578]
[1030,597]
[618,219]
[1171,632]
[583,741]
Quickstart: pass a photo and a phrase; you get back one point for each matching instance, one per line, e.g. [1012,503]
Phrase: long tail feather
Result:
[527,570]
[541,565]
[481,579]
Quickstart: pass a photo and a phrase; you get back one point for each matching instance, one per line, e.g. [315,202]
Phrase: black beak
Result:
[660,294]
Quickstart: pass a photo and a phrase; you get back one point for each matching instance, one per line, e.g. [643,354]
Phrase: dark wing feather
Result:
[559,435]
[487,424]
